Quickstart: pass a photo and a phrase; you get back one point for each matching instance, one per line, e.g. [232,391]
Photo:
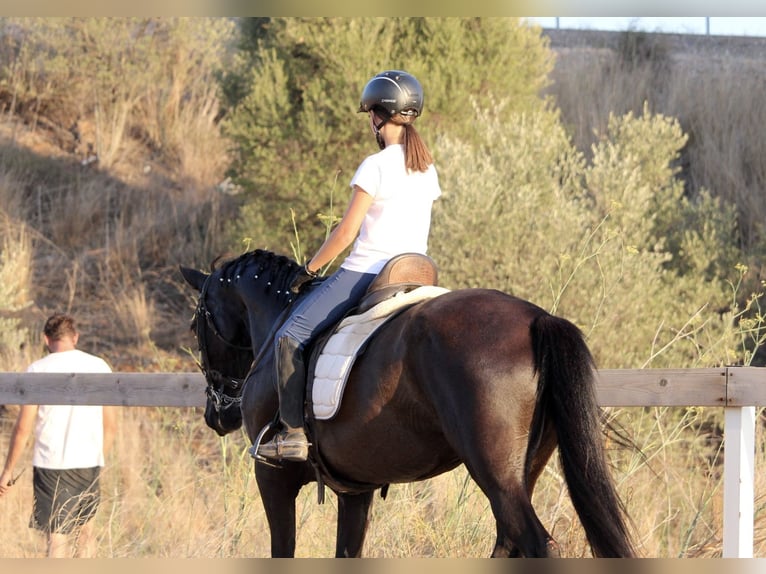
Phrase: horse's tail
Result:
[566,398]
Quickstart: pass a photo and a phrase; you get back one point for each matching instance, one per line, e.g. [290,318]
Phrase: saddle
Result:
[404,281]
[403,272]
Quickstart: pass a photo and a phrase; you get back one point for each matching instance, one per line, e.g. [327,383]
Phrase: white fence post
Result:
[738,477]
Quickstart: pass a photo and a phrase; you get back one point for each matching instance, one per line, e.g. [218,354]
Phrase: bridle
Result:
[230,388]
[224,391]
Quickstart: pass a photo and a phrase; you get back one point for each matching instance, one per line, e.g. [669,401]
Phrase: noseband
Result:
[230,388]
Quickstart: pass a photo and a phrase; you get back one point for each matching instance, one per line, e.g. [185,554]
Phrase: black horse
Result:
[473,376]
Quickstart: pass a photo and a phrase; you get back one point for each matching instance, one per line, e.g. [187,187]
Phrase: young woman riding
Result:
[389,213]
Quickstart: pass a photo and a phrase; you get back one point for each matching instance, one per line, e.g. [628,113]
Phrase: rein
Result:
[231,389]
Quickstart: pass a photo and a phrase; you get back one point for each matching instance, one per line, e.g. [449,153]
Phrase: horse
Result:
[473,376]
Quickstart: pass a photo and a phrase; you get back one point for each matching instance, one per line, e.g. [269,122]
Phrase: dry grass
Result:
[107,250]
[173,490]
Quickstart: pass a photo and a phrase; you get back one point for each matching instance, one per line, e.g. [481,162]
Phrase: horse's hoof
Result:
[553,548]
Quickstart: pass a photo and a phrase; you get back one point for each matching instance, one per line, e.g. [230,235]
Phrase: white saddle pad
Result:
[338,356]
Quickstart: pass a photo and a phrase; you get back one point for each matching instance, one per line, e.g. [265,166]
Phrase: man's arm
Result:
[25,424]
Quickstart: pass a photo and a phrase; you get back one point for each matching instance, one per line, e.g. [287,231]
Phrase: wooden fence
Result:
[738,390]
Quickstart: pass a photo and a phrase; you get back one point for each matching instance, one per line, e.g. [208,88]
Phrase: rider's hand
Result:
[303,276]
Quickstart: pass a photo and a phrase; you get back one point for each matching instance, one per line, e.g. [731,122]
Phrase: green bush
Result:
[610,243]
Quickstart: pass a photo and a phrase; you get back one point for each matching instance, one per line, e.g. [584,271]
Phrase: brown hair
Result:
[417,156]
[59,326]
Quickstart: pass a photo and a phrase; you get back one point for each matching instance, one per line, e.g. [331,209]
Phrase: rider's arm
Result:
[345,232]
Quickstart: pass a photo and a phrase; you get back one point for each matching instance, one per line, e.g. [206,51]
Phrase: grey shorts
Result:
[64,499]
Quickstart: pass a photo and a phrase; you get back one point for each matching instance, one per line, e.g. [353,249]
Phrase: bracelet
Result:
[309,272]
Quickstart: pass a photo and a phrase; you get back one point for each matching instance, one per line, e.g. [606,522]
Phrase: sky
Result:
[716,25]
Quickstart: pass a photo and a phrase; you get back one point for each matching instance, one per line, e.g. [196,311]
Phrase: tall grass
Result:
[172,489]
[16,255]
[105,250]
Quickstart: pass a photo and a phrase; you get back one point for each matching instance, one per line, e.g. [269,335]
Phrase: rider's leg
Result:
[316,311]
[291,442]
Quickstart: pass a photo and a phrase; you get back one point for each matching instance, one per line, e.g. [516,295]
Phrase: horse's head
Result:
[238,307]
[220,326]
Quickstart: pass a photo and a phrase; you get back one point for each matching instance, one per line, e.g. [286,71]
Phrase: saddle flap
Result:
[335,359]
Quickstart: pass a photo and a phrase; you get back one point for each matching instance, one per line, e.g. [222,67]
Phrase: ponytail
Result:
[417,156]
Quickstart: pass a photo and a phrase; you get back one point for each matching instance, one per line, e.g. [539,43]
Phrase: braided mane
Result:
[273,271]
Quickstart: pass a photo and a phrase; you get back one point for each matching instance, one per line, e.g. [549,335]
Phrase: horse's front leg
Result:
[353,517]
[279,488]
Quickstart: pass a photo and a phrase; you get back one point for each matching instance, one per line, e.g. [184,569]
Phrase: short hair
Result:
[60,325]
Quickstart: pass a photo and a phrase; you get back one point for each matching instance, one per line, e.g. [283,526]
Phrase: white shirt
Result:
[69,436]
[399,218]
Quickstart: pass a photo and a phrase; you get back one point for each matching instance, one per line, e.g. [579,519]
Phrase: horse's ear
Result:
[193,277]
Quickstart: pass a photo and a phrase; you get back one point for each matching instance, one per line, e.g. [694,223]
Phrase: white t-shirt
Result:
[399,219]
[69,436]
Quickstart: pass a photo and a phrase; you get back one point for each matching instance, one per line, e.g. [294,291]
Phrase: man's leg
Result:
[58,545]
[85,546]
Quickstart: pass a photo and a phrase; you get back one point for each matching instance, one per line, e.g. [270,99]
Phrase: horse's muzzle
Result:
[223,418]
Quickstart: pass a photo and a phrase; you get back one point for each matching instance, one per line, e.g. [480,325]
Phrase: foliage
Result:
[611,243]
[296,130]
[718,105]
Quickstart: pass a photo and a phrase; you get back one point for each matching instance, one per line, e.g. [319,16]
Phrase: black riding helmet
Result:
[393,92]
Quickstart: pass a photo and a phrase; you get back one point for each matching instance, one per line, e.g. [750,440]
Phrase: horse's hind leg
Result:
[544,451]
[353,513]
[519,530]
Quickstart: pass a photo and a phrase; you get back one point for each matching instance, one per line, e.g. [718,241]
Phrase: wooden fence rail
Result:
[122,389]
[738,390]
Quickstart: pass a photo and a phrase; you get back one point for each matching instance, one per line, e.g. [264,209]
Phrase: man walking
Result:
[69,448]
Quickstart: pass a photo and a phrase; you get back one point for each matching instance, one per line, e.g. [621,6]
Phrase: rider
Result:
[389,213]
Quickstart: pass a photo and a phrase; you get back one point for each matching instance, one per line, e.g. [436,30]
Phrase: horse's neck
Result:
[264,292]
[263,323]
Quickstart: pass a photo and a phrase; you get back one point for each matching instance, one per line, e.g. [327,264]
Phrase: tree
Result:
[297,139]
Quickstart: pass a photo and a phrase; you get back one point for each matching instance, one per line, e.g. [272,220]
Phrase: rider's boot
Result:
[290,443]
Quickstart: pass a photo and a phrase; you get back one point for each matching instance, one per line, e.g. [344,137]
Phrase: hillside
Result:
[158,204]
[705,53]
[107,242]
[713,85]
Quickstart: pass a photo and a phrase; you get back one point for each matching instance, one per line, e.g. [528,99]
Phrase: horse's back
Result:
[427,387]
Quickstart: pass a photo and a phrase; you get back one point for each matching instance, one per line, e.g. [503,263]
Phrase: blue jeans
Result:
[325,305]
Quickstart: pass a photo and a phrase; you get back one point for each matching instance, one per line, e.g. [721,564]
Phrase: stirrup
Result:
[253,450]
[288,444]
[283,449]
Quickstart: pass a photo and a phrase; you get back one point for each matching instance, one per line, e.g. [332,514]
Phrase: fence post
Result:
[738,477]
